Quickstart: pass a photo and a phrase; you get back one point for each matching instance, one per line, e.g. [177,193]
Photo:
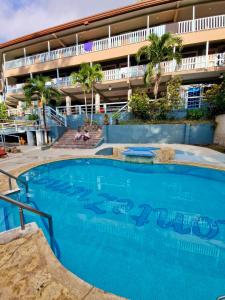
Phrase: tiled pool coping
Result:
[53,274]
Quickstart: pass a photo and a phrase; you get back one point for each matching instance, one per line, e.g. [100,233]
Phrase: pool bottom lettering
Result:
[200,226]
[124,206]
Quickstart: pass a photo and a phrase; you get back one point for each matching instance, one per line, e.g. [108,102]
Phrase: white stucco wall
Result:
[219,136]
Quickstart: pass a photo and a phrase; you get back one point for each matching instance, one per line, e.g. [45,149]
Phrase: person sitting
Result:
[78,135]
[86,136]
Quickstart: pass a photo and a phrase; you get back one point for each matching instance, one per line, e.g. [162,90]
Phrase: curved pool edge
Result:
[26,167]
[71,279]
[50,279]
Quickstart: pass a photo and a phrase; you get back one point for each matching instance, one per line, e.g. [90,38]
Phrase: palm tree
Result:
[96,75]
[39,88]
[162,48]
[87,76]
[82,78]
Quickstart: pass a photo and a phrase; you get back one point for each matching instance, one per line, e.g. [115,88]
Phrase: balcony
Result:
[187,65]
[201,24]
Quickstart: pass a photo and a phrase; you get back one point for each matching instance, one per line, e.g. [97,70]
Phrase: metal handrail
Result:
[221,298]
[16,178]
[23,206]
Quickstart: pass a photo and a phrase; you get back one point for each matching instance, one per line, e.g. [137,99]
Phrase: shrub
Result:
[215,99]
[106,120]
[196,114]
[116,116]
[3,112]
[173,93]
[33,117]
[139,104]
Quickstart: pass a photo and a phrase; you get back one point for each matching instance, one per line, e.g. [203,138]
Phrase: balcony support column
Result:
[207,53]
[3,77]
[193,18]
[57,73]
[148,25]
[77,41]
[7,84]
[109,39]
[128,66]
[25,54]
[97,103]
[129,95]
[49,46]
[68,105]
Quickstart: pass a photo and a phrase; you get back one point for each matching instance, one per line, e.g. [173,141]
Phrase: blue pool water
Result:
[140,231]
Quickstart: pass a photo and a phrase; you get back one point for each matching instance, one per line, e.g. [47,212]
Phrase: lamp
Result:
[110,87]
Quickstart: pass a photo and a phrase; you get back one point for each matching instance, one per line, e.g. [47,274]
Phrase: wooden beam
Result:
[68,94]
[100,93]
[176,12]
[59,40]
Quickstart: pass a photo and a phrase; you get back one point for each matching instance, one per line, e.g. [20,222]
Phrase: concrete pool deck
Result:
[29,155]
[29,270]
[28,267]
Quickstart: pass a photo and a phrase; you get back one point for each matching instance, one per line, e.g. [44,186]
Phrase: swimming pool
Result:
[140,231]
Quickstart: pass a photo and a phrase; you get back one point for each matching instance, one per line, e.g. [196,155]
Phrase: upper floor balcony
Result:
[135,37]
[188,66]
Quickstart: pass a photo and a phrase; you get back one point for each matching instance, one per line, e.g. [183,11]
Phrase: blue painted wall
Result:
[200,134]
[56,132]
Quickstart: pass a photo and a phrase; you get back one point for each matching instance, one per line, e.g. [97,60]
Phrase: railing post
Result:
[109,38]
[21,218]
[193,18]
[148,31]
[207,54]
[10,183]
[51,232]
[105,108]
[79,110]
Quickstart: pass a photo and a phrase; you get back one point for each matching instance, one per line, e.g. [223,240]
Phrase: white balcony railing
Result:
[194,63]
[208,23]
[187,64]
[99,45]
[134,37]
[80,109]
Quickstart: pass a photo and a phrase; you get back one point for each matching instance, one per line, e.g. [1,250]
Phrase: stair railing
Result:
[10,177]
[23,206]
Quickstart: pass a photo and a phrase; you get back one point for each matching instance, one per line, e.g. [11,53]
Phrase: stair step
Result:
[67,140]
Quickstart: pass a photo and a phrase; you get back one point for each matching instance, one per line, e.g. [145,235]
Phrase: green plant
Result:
[116,117]
[33,117]
[3,111]
[196,114]
[215,99]
[162,48]
[173,93]
[140,105]
[106,120]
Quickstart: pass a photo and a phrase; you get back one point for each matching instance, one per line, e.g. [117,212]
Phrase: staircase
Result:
[67,140]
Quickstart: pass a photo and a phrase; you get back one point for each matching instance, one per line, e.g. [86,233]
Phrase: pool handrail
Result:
[10,176]
[23,206]
[221,298]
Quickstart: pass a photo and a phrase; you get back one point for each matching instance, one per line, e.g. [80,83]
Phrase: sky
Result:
[20,17]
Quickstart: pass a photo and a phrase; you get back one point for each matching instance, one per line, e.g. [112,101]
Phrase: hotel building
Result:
[112,38]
